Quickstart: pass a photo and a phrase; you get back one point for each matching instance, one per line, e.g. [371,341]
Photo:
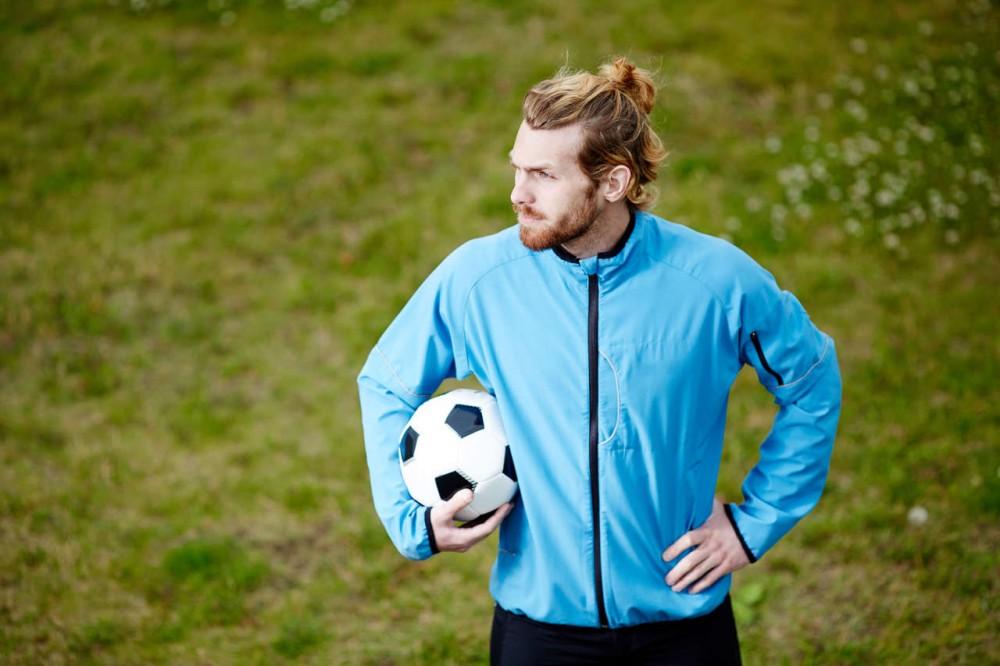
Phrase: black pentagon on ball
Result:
[408,445]
[450,483]
[508,465]
[465,419]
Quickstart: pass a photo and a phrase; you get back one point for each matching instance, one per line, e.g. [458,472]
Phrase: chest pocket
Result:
[609,401]
[658,385]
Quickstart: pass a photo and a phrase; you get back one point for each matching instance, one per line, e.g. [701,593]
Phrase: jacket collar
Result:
[607,261]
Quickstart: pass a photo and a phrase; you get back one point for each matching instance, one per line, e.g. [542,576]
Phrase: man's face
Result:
[554,199]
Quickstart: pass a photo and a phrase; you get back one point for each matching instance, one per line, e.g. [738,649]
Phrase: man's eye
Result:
[545,174]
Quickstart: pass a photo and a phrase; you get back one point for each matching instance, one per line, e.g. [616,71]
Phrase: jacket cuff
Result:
[739,535]
[430,532]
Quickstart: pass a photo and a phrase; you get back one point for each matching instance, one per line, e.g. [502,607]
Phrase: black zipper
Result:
[595,501]
[760,353]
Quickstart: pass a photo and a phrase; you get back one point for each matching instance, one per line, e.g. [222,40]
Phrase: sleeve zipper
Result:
[760,353]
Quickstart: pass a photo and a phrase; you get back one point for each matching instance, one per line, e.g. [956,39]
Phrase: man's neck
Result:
[604,234]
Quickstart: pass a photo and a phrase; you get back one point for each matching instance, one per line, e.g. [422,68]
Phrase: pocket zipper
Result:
[760,352]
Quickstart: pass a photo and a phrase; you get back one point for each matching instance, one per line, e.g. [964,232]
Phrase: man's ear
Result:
[616,183]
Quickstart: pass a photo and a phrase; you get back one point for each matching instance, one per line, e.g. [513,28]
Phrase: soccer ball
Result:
[457,441]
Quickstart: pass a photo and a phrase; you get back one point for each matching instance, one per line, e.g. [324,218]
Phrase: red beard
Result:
[570,226]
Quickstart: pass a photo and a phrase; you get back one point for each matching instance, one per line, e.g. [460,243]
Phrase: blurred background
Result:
[210,210]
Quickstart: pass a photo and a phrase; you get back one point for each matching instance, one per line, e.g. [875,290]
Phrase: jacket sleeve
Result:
[422,347]
[797,363]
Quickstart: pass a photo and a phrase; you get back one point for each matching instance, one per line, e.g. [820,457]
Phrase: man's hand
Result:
[460,539]
[717,551]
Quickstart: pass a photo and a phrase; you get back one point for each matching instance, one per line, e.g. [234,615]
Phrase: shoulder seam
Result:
[402,384]
[468,295]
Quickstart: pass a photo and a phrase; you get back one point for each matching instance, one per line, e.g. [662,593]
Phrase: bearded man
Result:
[610,338]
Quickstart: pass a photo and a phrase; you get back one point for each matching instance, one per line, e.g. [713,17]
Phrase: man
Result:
[610,338]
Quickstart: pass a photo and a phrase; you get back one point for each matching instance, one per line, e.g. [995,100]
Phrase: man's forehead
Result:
[559,146]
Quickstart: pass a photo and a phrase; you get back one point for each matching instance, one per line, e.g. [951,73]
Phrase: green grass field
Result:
[209,211]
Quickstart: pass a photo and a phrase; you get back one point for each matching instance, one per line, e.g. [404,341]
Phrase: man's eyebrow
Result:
[536,167]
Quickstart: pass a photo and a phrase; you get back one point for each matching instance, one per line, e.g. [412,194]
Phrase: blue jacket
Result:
[612,374]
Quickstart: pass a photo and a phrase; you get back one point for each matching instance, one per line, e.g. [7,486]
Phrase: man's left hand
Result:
[717,551]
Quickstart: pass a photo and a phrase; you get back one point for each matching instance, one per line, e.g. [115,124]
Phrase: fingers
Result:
[707,564]
[461,538]
[689,540]
[480,532]
[446,512]
[716,552]
[709,580]
[693,559]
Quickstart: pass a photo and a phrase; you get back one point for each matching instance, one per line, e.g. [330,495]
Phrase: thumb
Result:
[458,501]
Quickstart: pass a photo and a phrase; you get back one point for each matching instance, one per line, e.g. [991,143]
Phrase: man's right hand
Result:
[449,536]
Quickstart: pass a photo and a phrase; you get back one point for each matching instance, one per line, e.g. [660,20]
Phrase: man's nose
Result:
[520,195]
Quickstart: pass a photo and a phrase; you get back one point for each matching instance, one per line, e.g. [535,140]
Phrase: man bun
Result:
[633,81]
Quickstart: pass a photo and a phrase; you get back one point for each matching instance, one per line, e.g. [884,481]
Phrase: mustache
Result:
[527,211]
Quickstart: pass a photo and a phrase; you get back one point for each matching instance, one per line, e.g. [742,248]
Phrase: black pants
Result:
[708,639]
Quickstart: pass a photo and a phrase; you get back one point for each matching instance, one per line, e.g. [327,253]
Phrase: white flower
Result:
[812,133]
[885,198]
[900,147]
[860,189]
[818,170]
[804,211]
[778,213]
[853,227]
[833,193]
[857,86]
[733,224]
[975,144]
[917,516]
[824,101]
[951,237]
[925,133]
[859,45]
[926,28]
[881,72]
[852,156]
[891,241]
[753,204]
[772,144]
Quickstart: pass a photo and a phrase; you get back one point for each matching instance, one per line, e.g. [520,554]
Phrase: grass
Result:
[210,210]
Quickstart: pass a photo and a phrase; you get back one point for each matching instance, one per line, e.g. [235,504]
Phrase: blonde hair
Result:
[614,107]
